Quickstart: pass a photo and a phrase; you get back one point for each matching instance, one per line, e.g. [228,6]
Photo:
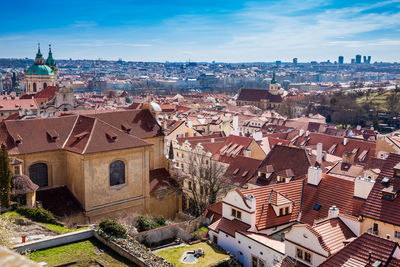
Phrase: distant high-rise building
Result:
[341,59]
[369,60]
[278,62]
[358,59]
[295,61]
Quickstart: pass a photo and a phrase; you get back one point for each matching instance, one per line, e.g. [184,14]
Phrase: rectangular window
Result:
[237,214]
[190,185]
[375,228]
[396,234]
[281,212]
[215,239]
[299,253]
[257,262]
[287,210]
[201,190]
[307,257]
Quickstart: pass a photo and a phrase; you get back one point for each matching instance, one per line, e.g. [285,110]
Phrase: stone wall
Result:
[167,234]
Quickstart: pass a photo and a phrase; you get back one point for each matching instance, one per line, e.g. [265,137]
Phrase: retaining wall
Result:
[55,241]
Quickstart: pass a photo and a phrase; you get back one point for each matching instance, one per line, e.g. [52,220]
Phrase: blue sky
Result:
[224,31]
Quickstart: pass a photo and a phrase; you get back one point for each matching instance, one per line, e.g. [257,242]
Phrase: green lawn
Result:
[212,256]
[83,253]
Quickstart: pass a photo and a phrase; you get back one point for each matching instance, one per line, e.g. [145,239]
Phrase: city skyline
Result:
[257,31]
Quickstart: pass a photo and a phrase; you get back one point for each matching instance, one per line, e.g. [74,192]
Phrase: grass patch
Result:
[201,230]
[61,229]
[212,256]
[13,216]
[83,253]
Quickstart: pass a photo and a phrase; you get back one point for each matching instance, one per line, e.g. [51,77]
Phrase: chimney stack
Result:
[314,175]
[247,153]
[333,212]
[345,141]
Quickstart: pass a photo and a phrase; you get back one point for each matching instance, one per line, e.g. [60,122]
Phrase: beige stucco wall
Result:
[156,152]
[55,161]
[165,203]
[99,194]
[384,229]
[256,151]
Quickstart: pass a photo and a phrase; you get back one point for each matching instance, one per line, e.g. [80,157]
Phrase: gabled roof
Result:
[365,251]
[265,214]
[78,133]
[333,233]
[331,191]
[240,170]
[142,122]
[257,95]
[286,161]
[229,227]
[232,147]
[380,209]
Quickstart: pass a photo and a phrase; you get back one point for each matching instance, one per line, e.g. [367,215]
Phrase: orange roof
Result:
[16,104]
[265,215]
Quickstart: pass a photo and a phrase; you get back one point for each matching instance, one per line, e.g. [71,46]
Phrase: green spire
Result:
[50,60]
[39,54]
[273,81]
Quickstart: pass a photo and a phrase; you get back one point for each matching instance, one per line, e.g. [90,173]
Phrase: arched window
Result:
[38,174]
[117,173]
[44,85]
[34,87]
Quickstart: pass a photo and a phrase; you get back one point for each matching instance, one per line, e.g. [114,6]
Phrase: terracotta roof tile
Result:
[228,227]
[331,191]
[377,208]
[364,251]
[265,215]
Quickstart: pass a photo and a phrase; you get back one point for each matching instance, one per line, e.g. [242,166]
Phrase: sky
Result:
[216,30]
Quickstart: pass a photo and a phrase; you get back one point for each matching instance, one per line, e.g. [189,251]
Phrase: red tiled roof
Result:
[331,191]
[257,95]
[283,158]
[228,227]
[333,233]
[246,168]
[161,180]
[365,251]
[214,210]
[37,135]
[47,93]
[380,209]
[328,141]
[265,215]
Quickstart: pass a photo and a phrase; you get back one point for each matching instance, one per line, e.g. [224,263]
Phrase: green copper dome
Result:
[39,70]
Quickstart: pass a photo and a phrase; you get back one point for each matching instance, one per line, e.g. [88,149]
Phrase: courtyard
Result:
[176,254]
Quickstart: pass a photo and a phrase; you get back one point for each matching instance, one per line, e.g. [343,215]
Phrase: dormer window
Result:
[396,170]
[389,193]
[236,214]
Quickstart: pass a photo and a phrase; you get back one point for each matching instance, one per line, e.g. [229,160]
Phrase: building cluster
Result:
[292,191]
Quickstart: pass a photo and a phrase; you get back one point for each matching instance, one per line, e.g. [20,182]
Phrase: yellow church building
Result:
[95,164]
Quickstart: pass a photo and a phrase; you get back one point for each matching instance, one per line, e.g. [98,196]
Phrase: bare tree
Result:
[205,182]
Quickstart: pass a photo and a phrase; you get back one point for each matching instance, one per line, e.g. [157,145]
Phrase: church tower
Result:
[274,86]
[39,75]
[51,62]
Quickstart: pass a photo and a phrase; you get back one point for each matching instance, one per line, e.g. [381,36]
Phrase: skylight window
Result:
[317,207]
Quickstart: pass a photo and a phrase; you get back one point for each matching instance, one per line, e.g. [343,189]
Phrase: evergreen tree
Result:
[5,178]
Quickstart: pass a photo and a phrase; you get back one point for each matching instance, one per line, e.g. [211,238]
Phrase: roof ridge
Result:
[90,136]
[70,133]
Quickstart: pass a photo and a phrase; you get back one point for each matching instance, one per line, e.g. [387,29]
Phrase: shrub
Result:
[161,221]
[113,228]
[37,214]
[143,224]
